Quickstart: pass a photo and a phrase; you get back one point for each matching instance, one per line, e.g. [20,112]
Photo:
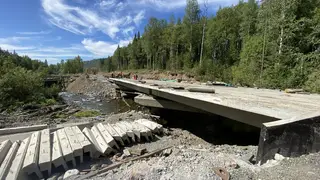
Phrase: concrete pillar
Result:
[114,134]
[45,152]
[4,148]
[56,152]
[107,137]
[96,151]
[86,145]
[74,143]
[127,130]
[6,164]
[122,133]
[66,147]
[15,169]
[104,147]
[30,164]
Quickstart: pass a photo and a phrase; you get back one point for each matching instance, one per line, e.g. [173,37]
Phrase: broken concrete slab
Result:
[290,138]
[96,152]
[15,169]
[56,154]
[121,132]
[114,134]
[22,129]
[4,148]
[30,164]
[7,162]
[155,127]
[104,147]
[107,136]
[86,145]
[127,130]
[66,147]
[74,143]
[133,129]
[144,131]
[45,152]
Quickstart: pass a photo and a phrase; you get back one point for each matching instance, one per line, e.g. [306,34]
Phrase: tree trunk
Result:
[202,42]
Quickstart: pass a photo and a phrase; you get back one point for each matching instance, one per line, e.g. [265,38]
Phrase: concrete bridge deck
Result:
[247,105]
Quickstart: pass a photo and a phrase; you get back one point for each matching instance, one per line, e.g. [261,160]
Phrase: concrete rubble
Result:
[45,151]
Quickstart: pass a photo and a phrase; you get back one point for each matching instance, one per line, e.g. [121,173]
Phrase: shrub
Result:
[20,85]
[88,113]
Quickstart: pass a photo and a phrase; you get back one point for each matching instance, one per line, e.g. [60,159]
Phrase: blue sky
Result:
[63,29]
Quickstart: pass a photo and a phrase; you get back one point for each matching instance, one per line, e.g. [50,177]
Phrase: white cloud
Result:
[128,31]
[102,48]
[13,39]
[34,32]
[139,17]
[84,21]
[10,47]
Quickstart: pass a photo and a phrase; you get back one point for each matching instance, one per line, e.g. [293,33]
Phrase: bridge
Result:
[290,123]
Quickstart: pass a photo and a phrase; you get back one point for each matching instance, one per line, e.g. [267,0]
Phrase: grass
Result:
[87,113]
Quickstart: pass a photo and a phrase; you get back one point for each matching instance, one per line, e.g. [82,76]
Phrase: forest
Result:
[270,44]
[22,79]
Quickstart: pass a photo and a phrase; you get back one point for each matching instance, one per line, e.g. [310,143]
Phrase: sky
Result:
[62,29]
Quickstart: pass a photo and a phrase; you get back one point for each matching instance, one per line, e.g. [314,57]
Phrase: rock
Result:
[278,157]
[54,176]
[232,165]
[104,165]
[95,167]
[126,152]
[167,152]
[71,172]
[138,152]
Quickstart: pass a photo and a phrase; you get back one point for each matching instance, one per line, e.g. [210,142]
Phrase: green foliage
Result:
[313,82]
[73,66]
[20,85]
[88,113]
[22,81]
[273,44]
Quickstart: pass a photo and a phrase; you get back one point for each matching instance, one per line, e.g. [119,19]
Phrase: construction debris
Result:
[43,149]
[202,89]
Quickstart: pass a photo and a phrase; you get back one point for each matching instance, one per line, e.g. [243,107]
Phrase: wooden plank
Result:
[15,169]
[30,164]
[6,164]
[57,156]
[45,152]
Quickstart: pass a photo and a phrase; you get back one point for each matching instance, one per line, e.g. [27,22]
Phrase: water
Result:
[93,103]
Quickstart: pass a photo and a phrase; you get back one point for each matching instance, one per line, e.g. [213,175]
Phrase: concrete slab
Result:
[104,147]
[4,148]
[6,164]
[96,151]
[15,169]
[86,145]
[133,129]
[45,152]
[155,127]
[74,143]
[107,136]
[150,101]
[57,156]
[66,147]
[22,129]
[114,134]
[121,132]
[127,130]
[291,137]
[144,131]
[30,164]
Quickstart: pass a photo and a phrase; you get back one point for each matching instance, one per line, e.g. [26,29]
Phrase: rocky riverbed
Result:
[190,156]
